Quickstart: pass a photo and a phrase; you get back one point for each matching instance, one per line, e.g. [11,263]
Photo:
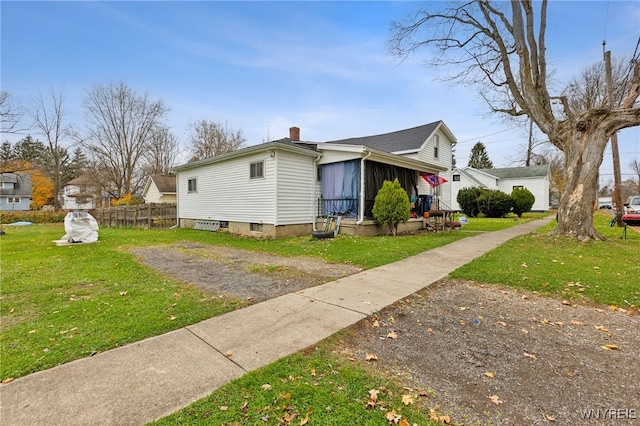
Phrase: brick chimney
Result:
[294,133]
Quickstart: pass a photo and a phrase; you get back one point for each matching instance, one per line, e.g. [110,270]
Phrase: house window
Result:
[192,185]
[436,145]
[517,187]
[256,227]
[15,200]
[456,178]
[319,174]
[256,170]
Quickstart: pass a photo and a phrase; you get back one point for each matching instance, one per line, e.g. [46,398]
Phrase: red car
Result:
[631,219]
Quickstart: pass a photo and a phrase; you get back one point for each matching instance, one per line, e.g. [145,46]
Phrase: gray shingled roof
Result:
[518,172]
[165,183]
[401,140]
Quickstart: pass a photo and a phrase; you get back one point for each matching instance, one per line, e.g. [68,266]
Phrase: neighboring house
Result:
[533,178]
[160,189]
[281,188]
[81,193]
[15,191]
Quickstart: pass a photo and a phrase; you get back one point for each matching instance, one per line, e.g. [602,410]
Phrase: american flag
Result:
[434,180]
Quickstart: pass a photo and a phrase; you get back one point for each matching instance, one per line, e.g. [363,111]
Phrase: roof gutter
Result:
[361,213]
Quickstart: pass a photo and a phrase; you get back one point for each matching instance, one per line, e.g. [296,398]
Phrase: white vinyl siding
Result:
[152,195]
[538,186]
[296,182]
[226,191]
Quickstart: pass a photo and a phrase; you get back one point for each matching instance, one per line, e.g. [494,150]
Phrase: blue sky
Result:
[266,66]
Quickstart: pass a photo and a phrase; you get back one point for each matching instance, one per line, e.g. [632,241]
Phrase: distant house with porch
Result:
[534,178]
[282,188]
[15,191]
[160,189]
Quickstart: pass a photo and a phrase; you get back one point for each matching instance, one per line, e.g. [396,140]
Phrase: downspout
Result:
[315,184]
[361,219]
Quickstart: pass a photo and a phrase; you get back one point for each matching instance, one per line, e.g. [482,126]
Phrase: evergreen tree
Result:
[6,153]
[31,150]
[479,158]
[391,205]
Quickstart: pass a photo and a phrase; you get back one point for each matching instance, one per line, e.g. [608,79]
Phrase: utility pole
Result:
[617,178]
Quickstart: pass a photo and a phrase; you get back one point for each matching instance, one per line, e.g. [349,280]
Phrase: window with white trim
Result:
[256,170]
[15,200]
[192,185]
[436,145]
[456,178]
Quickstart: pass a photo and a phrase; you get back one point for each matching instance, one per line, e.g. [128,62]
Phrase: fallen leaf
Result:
[285,395]
[392,416]
[376,323]
[404,422]
[602,328]
[266,386]
[31,332]
[288,417]
[371,357]
[490,375]
[392,335]
[574,322]
[305,420]
[313,372]
[7,380]
[610,347]
[502,323]
[229,354]
[423,393]
[223,408]
[433,415]
[532,356]
[566,302]
[172,317]
[445,420]
[549,418]
[495,399]
[373,394]
[123,293]
[407,399]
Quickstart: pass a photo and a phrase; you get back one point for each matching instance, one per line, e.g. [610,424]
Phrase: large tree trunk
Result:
[583,144]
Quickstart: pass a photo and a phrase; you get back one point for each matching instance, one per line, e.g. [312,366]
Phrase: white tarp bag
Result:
[80,227]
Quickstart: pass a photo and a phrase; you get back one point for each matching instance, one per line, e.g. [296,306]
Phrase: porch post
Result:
[362,188]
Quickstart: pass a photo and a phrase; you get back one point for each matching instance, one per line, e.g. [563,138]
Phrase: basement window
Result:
[255,227]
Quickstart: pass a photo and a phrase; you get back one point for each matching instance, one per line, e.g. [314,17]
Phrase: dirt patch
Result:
[486,354]
[243,274]
[493,355]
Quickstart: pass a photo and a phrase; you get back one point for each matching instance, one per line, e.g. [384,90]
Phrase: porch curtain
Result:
[375,175]
[340,188]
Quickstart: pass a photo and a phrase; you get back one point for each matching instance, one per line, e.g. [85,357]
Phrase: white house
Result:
[533,178]
[81,193]
[160,189]
[281,188]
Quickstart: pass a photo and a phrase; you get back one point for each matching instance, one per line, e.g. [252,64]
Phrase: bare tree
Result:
[10,114]
[49,121]
[498,44]
[210,138]
[161,153]
[120,125]
[635,166]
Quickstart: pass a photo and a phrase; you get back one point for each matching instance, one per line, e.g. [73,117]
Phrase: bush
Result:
[468,200]
[495,203]
[35,216]
[523,200]
[391,205]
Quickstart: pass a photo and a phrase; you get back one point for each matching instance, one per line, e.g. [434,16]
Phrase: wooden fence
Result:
[152,215]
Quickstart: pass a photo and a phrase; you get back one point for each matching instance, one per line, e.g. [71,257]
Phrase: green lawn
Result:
[63,303]
[602,271]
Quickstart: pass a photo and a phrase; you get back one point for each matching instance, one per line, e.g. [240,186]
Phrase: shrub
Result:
[35,216]
[468,200]
[391,205]
[495,203]
[523,200]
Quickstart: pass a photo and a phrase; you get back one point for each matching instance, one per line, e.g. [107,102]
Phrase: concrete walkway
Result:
[147,380]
